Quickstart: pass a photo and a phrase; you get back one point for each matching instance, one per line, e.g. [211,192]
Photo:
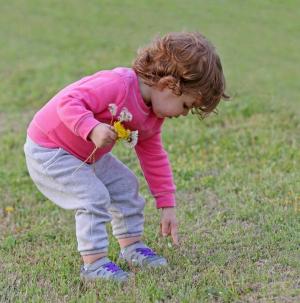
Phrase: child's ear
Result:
[171,83]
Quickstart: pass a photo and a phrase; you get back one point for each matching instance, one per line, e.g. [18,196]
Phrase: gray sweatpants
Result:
[110,193]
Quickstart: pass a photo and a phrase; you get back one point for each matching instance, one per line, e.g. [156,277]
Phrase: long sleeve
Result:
[157,170]
[78,106]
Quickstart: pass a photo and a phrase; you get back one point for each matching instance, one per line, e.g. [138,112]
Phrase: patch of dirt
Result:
[210,198]
[212,201]
[208,173]
[245,225]
[280,289]
[257,297]
[188,197]
[11,283]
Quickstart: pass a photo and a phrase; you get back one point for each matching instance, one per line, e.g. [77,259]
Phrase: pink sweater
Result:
[68,118]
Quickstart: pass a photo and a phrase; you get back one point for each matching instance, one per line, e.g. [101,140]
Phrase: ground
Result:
[237,172]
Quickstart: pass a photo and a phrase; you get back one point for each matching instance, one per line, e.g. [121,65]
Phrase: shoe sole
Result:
[95,279]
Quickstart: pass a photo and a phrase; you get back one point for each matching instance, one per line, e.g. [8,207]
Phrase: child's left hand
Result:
[168,224]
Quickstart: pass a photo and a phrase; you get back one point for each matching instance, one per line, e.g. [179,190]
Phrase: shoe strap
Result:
[145,251]
[112,267]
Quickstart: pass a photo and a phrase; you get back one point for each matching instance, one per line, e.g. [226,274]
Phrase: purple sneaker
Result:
[138,254]
[103,269]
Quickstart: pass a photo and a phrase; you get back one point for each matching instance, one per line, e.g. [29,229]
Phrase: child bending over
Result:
[69,143]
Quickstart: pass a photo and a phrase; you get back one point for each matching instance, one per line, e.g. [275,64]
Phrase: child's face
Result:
[165,104]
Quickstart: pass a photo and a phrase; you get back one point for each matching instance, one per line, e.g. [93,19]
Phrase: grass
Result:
[237,173]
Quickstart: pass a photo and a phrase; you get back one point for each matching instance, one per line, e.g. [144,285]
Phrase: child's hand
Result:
[103,135]
[168,224]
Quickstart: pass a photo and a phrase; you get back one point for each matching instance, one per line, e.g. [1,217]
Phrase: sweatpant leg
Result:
[127,206]
[52,170]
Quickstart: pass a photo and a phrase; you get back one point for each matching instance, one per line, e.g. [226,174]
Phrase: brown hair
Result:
[185,62]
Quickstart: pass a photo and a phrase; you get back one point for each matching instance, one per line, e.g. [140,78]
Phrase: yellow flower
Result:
[9,209]
[122,132]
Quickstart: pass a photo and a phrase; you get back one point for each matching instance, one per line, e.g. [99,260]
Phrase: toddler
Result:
[69,142]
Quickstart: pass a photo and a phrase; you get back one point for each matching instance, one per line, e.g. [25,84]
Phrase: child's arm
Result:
[157,171]
[77,106]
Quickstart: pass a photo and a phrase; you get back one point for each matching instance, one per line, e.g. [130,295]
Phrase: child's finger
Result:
[165,229]
[174,235]
[112,134]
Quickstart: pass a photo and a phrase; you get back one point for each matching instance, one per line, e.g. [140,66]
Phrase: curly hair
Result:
[186,63]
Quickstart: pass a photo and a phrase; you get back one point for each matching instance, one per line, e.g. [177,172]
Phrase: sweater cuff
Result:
[167,200]
[86,126]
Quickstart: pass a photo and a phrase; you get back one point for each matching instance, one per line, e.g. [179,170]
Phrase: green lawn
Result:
[237,172]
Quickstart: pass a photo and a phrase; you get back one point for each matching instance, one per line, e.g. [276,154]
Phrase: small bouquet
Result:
[130,137]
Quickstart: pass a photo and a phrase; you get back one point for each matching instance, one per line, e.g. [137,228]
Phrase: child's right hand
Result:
[103,135]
